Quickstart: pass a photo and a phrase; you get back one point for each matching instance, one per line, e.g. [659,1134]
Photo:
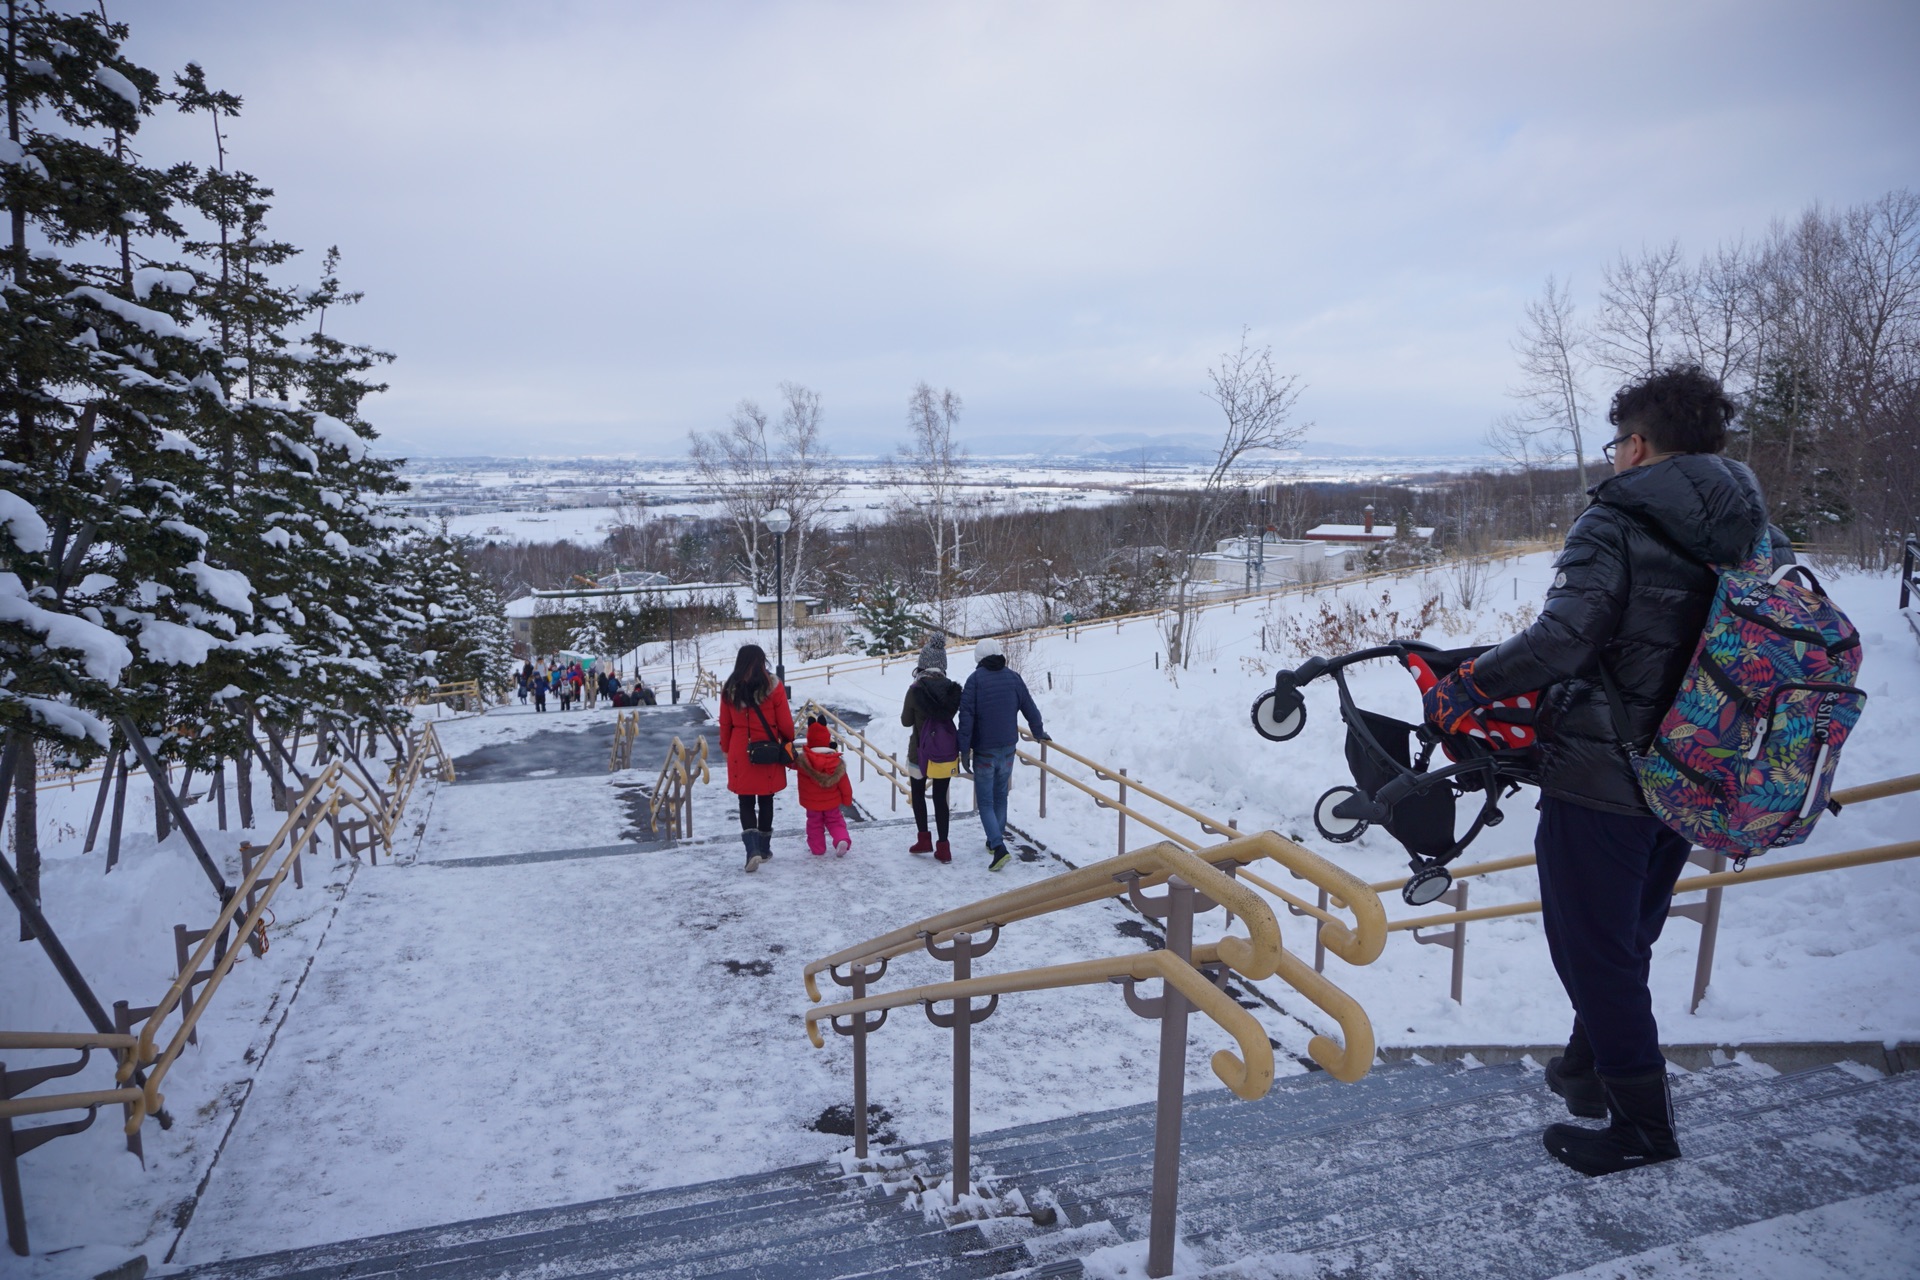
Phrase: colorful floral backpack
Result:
[1744,760]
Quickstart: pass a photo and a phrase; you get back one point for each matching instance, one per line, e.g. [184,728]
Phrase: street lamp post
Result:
[778,522]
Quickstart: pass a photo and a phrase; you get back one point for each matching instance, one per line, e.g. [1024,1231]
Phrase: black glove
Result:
[966,761]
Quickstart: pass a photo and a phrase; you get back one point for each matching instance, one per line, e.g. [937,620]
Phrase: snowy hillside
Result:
[524,1007]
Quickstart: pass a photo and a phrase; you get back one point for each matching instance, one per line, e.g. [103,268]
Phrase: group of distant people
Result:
[953,729]
[571,683]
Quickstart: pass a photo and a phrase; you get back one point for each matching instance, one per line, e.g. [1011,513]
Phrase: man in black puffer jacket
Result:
[1630,593]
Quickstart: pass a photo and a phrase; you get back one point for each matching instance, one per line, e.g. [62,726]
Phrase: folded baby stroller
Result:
[1415,800]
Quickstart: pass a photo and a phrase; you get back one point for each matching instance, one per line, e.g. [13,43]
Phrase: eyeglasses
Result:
[1608,448]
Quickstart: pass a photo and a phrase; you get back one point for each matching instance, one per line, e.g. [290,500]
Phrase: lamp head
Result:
[778,520]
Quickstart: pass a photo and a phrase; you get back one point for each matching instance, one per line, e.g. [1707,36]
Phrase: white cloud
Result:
[596,225]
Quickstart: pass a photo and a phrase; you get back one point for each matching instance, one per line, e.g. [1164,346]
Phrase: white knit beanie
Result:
[984,649]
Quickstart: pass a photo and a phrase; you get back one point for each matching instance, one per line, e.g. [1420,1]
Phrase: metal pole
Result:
[1460,947]
[1043,777]
[860,1067]
[962,1070]
[1172,1092]
[780,606]
[1122,812]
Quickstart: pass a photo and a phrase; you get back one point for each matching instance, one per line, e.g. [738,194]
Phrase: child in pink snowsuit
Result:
[824,787]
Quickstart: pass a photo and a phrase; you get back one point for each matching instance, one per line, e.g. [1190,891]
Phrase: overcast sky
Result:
[590,227]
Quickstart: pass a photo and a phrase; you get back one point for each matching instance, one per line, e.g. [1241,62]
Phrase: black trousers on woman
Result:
[940,811]
[752,821]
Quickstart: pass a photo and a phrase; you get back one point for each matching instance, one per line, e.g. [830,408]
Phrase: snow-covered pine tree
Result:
[104,570]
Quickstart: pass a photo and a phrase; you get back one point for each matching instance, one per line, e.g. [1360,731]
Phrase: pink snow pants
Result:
[822,823]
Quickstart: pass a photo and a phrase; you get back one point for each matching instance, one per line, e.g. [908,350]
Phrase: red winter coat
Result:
[824,784]
[739,726]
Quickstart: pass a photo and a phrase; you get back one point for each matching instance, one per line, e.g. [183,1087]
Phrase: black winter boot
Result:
[1571,1075]
[755,857]
[766,846]
[1641,1132]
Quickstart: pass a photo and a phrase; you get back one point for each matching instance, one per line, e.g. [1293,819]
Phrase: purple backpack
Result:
[939,743]
[1744,760]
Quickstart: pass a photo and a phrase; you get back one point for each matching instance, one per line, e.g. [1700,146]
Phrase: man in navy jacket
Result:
[988,735]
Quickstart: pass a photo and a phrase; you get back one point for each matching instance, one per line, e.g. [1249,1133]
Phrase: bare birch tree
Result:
[1639,301]
[1258,405]
[752,468]
[806,478]
[1551,346]
[1527,444]
[926,475]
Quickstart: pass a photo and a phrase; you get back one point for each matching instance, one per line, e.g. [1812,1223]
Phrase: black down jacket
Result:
[1631,590]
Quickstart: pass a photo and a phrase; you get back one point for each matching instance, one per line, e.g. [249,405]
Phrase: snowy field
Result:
[470,1039]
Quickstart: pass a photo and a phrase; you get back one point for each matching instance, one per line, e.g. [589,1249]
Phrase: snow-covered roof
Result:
[1360,532]
[594,600]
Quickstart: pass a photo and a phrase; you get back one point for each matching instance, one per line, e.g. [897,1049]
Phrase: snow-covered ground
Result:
[482,1037]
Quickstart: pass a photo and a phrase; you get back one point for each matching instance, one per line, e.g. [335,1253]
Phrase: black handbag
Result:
[767,750]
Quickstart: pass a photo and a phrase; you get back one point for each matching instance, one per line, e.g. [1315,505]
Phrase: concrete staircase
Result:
[1417,1170]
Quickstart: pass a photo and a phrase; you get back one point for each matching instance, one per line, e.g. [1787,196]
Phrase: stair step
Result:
[1409,1172]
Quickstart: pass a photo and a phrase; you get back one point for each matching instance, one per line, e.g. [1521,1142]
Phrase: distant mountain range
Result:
[1122,448]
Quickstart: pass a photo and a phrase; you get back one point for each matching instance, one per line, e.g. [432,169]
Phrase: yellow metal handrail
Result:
[673,790]
[122,1045]
[626,728]
[1713,880]
[1846,796]
[1249,1075]
[884,763]
[1261,957]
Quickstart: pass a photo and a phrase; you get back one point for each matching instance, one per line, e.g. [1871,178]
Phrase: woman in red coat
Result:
[753,708]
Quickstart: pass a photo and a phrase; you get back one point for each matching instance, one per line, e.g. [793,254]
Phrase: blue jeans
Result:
[992,776]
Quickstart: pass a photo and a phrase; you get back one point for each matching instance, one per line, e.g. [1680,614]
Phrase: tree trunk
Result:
[26,827]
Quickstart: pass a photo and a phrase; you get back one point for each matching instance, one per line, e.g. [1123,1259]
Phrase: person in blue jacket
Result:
[988,734]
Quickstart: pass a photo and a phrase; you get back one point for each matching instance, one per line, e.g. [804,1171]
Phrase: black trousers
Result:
[941,813]
[761,821]
[1606,881]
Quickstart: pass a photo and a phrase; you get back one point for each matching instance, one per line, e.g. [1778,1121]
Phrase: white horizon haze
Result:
[592,227]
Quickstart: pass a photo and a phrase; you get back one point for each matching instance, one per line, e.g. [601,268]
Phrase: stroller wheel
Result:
[1426,885]
[1334,827]
[1275,723]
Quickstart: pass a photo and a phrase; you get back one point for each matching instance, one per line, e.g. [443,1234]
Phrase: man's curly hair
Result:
[1680,409]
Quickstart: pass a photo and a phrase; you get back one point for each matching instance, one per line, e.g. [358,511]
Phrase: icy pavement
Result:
[507,1036]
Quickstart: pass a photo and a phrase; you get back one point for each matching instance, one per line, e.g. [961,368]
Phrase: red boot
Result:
[942,853]
[922,843]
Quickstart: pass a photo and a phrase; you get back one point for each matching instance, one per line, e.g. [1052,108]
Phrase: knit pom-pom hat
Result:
[933,656]
[818,735]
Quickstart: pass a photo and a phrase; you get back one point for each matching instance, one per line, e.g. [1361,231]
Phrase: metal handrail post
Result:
[1174,1008]
[1707,915]
[859,976]
[1043,779]
[960,951]
[1121,811]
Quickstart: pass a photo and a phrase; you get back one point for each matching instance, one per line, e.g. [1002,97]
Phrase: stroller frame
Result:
[1401,779]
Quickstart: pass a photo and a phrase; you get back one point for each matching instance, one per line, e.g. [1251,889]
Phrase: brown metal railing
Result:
[1192,977]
